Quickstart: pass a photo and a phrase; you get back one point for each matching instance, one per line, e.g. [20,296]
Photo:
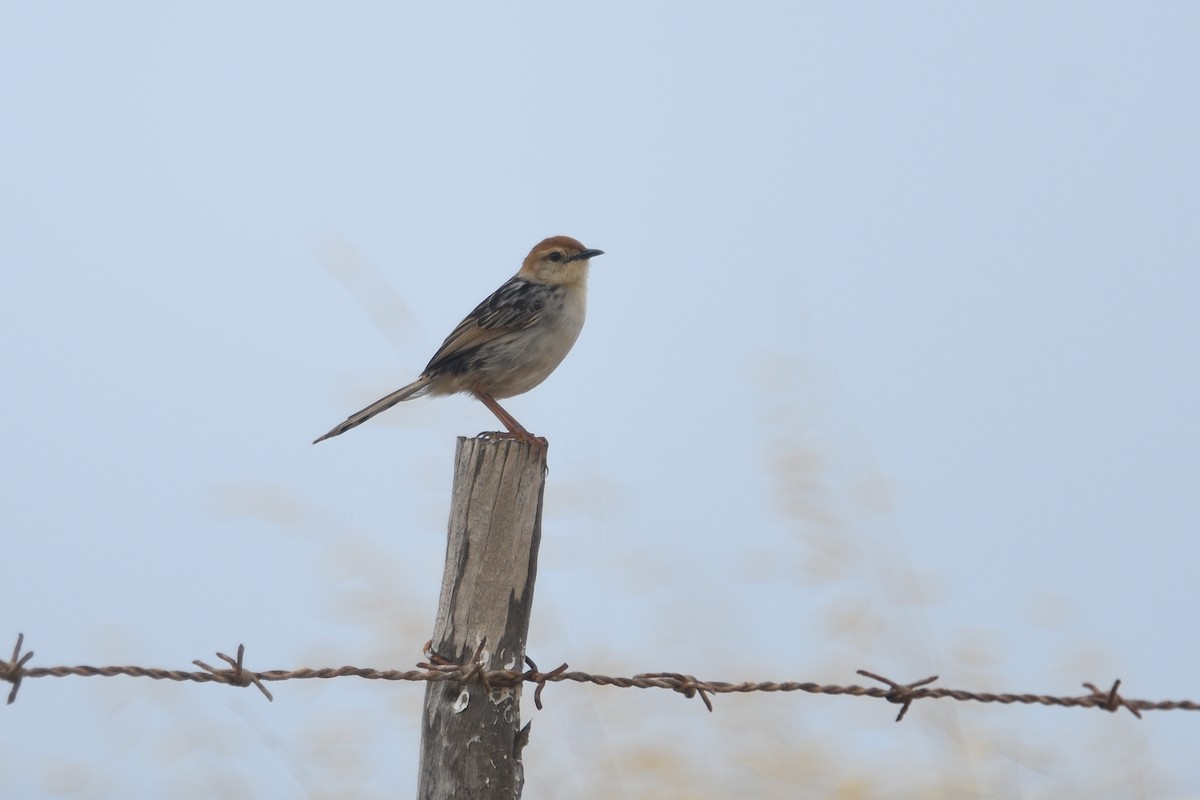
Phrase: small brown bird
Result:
[512,341]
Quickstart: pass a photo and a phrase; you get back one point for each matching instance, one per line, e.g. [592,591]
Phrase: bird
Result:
[511,342]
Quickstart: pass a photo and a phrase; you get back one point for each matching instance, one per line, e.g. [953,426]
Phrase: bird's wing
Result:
[516,305]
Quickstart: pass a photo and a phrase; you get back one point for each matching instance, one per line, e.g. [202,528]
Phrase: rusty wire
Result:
[435,669]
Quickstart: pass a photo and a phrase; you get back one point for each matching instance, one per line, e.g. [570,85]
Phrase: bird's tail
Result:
[415,389]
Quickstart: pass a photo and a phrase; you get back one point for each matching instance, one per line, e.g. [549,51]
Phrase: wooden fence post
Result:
[469,736]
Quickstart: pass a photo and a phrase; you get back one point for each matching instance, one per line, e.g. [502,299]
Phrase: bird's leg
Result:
[509,421]
[515,429]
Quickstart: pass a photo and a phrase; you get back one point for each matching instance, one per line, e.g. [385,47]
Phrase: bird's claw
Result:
[519,436]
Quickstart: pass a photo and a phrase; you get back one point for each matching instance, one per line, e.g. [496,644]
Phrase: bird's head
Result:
[559,260]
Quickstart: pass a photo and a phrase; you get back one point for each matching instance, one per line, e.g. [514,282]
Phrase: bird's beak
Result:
[586,254]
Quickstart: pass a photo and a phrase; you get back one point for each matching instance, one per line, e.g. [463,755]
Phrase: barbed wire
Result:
[435,669]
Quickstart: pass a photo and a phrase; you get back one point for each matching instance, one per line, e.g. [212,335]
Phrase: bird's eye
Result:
[555,256]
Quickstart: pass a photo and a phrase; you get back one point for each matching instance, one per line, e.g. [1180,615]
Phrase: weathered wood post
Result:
[468,734]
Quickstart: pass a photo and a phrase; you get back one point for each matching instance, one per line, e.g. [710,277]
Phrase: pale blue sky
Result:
[891,363]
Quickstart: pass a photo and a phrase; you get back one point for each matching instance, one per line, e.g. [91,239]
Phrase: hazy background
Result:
[891,364]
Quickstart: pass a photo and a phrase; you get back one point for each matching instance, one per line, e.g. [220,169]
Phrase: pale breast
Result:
[524,359]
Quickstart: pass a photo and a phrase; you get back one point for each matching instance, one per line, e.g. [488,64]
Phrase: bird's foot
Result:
[520,436]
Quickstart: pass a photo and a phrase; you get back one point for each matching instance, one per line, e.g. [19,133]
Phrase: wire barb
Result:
[686,685]
[13,671]
[239,675]
[475,670]
[901,693]
[1111,701]
[534,676]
